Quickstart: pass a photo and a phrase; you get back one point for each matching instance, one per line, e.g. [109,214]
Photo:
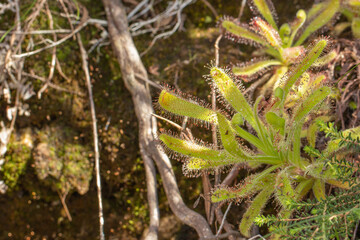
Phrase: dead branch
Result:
[85,67]
[63,202]
[131,64]
[243,2]
[37,32]
[82,24]
[212,9]
[52,85]
[223,219]
[53,57]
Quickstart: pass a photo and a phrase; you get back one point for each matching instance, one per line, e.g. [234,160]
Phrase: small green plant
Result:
[15,163]
[283,44]
[65,167]
[336,216]
[333,218]
[289,174]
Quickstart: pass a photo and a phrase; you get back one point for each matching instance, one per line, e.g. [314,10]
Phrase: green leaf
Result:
[228,137]
[314,128]
[268,32]
[237,119]
[249,186]
[305,63]
[242,32]
[250,138]
[327,58]
[303,188]
[252,68]
[206,164]
[354,4]
[192,149]
[355,27]
[333,145]
[284,32]
[279,93]
[275,81]
[232,94]
[319,190]
[316,9]
[255,209]
[297,24]
[283,189]
[260,129]
[266,11]
[278,123]
[339,184]
[309,104]
[174,104]
[323,15]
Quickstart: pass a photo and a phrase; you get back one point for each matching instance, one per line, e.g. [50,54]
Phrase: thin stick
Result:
[168,121]
[257,236]
[158,86]
[63,202]
[223,220]
[213,130]
[82,24]
[59,69]
[67,14]
[37,32]
[225,235]
[212,9]
[243,2]
[53,58]
[17,98]
[52,85]
[84,58]
[231,175]
[213,93]
[213,105]
[356,228]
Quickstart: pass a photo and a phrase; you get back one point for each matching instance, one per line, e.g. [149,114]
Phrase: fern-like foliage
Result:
[346,139]
[336,215]
[332,218]
[344,170]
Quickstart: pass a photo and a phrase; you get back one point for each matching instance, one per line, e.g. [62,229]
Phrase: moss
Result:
[60,163]
[16,160]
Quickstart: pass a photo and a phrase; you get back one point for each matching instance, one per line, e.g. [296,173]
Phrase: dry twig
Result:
[84,58]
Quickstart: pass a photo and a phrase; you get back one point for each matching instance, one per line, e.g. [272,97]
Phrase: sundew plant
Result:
[283,45]
[274,144]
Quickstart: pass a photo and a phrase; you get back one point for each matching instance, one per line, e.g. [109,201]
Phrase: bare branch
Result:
[52,85]
[53,57]
[37,32]
[63,202]
[229,234]
[223,220]
[84,58]
[168,121]
[243,2]
[81,25]
[212,9]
